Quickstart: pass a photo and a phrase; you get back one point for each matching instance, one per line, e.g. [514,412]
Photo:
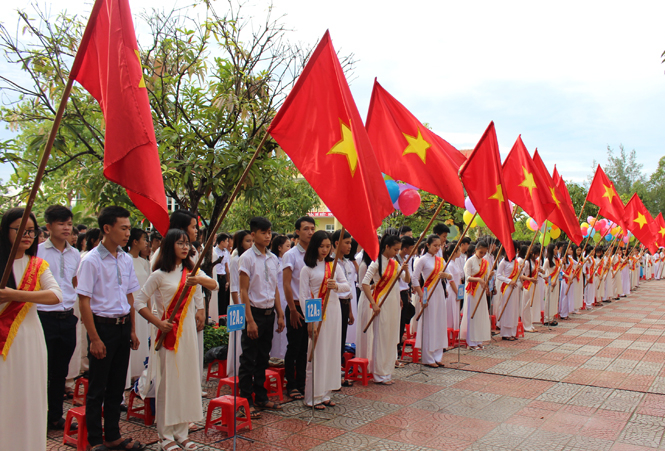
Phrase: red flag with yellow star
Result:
[660,223]
[408,151]
[525,185]
[603,194]
[562,215]
[639,220]
[108,66]
[320,128]
[483,181]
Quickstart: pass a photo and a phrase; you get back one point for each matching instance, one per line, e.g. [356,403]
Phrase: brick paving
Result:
[595,382]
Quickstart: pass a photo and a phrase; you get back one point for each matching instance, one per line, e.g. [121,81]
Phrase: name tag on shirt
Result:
[235,317]
[313,310]
[460,291]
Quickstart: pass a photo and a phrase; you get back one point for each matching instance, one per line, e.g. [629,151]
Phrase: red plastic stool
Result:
[219,373]
[414,353]
[356,370]
[79,398]
[542,317]
[80,436]
[282,372]
[274,384]
[452,337]
[407,332]
[232,383]
[144,411]
[493,321]
[520,329]
[225,421]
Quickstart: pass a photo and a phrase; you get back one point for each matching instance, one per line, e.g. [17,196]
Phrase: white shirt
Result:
[262,271]
[234,283]
[402,285]
[294,259]
[349,271]
[107,281]
[220,268]
[63,266]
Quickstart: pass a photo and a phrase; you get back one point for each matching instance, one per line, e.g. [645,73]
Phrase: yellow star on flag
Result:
[417,145]
[528,182]
[609,192]
[662,232]
[641,219]
[142,82]
[498,195]
[556,201]
[347,147]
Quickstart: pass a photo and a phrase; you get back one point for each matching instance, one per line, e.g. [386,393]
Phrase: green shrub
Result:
[214,336]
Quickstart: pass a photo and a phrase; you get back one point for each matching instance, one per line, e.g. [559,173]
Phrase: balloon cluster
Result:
[405,197]
[597,229]
[551,231]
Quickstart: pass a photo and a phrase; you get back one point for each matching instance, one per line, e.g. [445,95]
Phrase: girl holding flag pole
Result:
[383,272]
[477,329]
[508,273]
[552,267]
[432,337]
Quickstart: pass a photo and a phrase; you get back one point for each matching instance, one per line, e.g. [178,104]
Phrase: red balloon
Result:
[409,201]
[598,226]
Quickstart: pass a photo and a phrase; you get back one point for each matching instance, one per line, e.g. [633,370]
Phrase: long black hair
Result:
[312,252]
[79,241]
[430,240]
[277,242]
[387,241]
[166,260]
[550,254]
[134,235]
[6,245]
[238,239]
[92,235]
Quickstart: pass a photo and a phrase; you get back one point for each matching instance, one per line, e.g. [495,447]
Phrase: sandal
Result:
[253,414]
[124,445]
[346,384]
[399,365]
[270,405]
[319,407]
[169,445]
[388,382]
[295,394]
[432,365]
[188,444]
[328,403]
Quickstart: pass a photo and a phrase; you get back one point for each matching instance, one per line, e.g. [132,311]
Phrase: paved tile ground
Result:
[595,382]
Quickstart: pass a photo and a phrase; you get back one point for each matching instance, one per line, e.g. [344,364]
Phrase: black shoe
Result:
[123,408]
[60,425]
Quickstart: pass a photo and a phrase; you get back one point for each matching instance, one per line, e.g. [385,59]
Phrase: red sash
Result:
[14,313]
[472,287]
[527,283]
[323,289]
[173,337]
[555,273]
[438,267]
[390,274]
[513,276]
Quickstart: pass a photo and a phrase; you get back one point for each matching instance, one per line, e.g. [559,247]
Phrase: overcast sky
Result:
[572,77]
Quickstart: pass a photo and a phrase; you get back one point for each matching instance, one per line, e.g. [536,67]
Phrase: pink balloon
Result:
[603,222]
[409,201]
[584,230]
[403,188]
[410,186]
[598,226]
[589,219]
[469,205]
[396,204]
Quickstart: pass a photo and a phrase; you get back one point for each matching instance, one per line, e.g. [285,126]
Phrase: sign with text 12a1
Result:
[235,317]
[313,311]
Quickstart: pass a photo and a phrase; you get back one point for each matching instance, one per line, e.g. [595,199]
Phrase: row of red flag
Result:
[321,130]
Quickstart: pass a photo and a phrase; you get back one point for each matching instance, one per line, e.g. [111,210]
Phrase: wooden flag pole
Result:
[519,272]
[324,306]
[436,278]
[533,295]
[413,251]
[213,232]
[570,240]
[593,252]
[37,183]
[609,266]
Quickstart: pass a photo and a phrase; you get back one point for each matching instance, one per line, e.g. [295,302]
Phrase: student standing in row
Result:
[23,365]
[138,243]
[59,321]
[280,246]
[295,360]
[258,291]
[106,283]
[316,280]
[477,329]
[510,286]
[348,269]
[242,242]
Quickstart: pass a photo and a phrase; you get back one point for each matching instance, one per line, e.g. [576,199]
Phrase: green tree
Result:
[623,169]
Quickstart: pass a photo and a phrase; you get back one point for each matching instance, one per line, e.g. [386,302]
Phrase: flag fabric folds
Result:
[562,215]
[320,129]
[408,151]
[638,220]
[108,66]
[660,237]
[603,194]
[483,181]
[525,185]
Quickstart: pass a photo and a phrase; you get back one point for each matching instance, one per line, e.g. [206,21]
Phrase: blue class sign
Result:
[460,290]
[313,310]
[235,317]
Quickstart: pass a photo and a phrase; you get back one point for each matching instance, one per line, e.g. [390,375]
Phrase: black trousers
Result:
[408,310]
[223,296]
[60,336]
[106,382]
[345,304]
[295,360]
[255,357]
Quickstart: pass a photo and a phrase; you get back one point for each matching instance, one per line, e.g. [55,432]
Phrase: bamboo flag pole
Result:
[413,251]
[36,184]
[437,277]
[213,232]
[519,271]
[324,306]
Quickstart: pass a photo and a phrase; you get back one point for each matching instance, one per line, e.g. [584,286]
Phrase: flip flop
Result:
[295,394]
[328,403]
[136,445]
[270,405]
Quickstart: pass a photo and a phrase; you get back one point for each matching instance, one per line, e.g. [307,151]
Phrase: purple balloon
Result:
[403,188]
[396,205]
[469,205]
[410,186]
